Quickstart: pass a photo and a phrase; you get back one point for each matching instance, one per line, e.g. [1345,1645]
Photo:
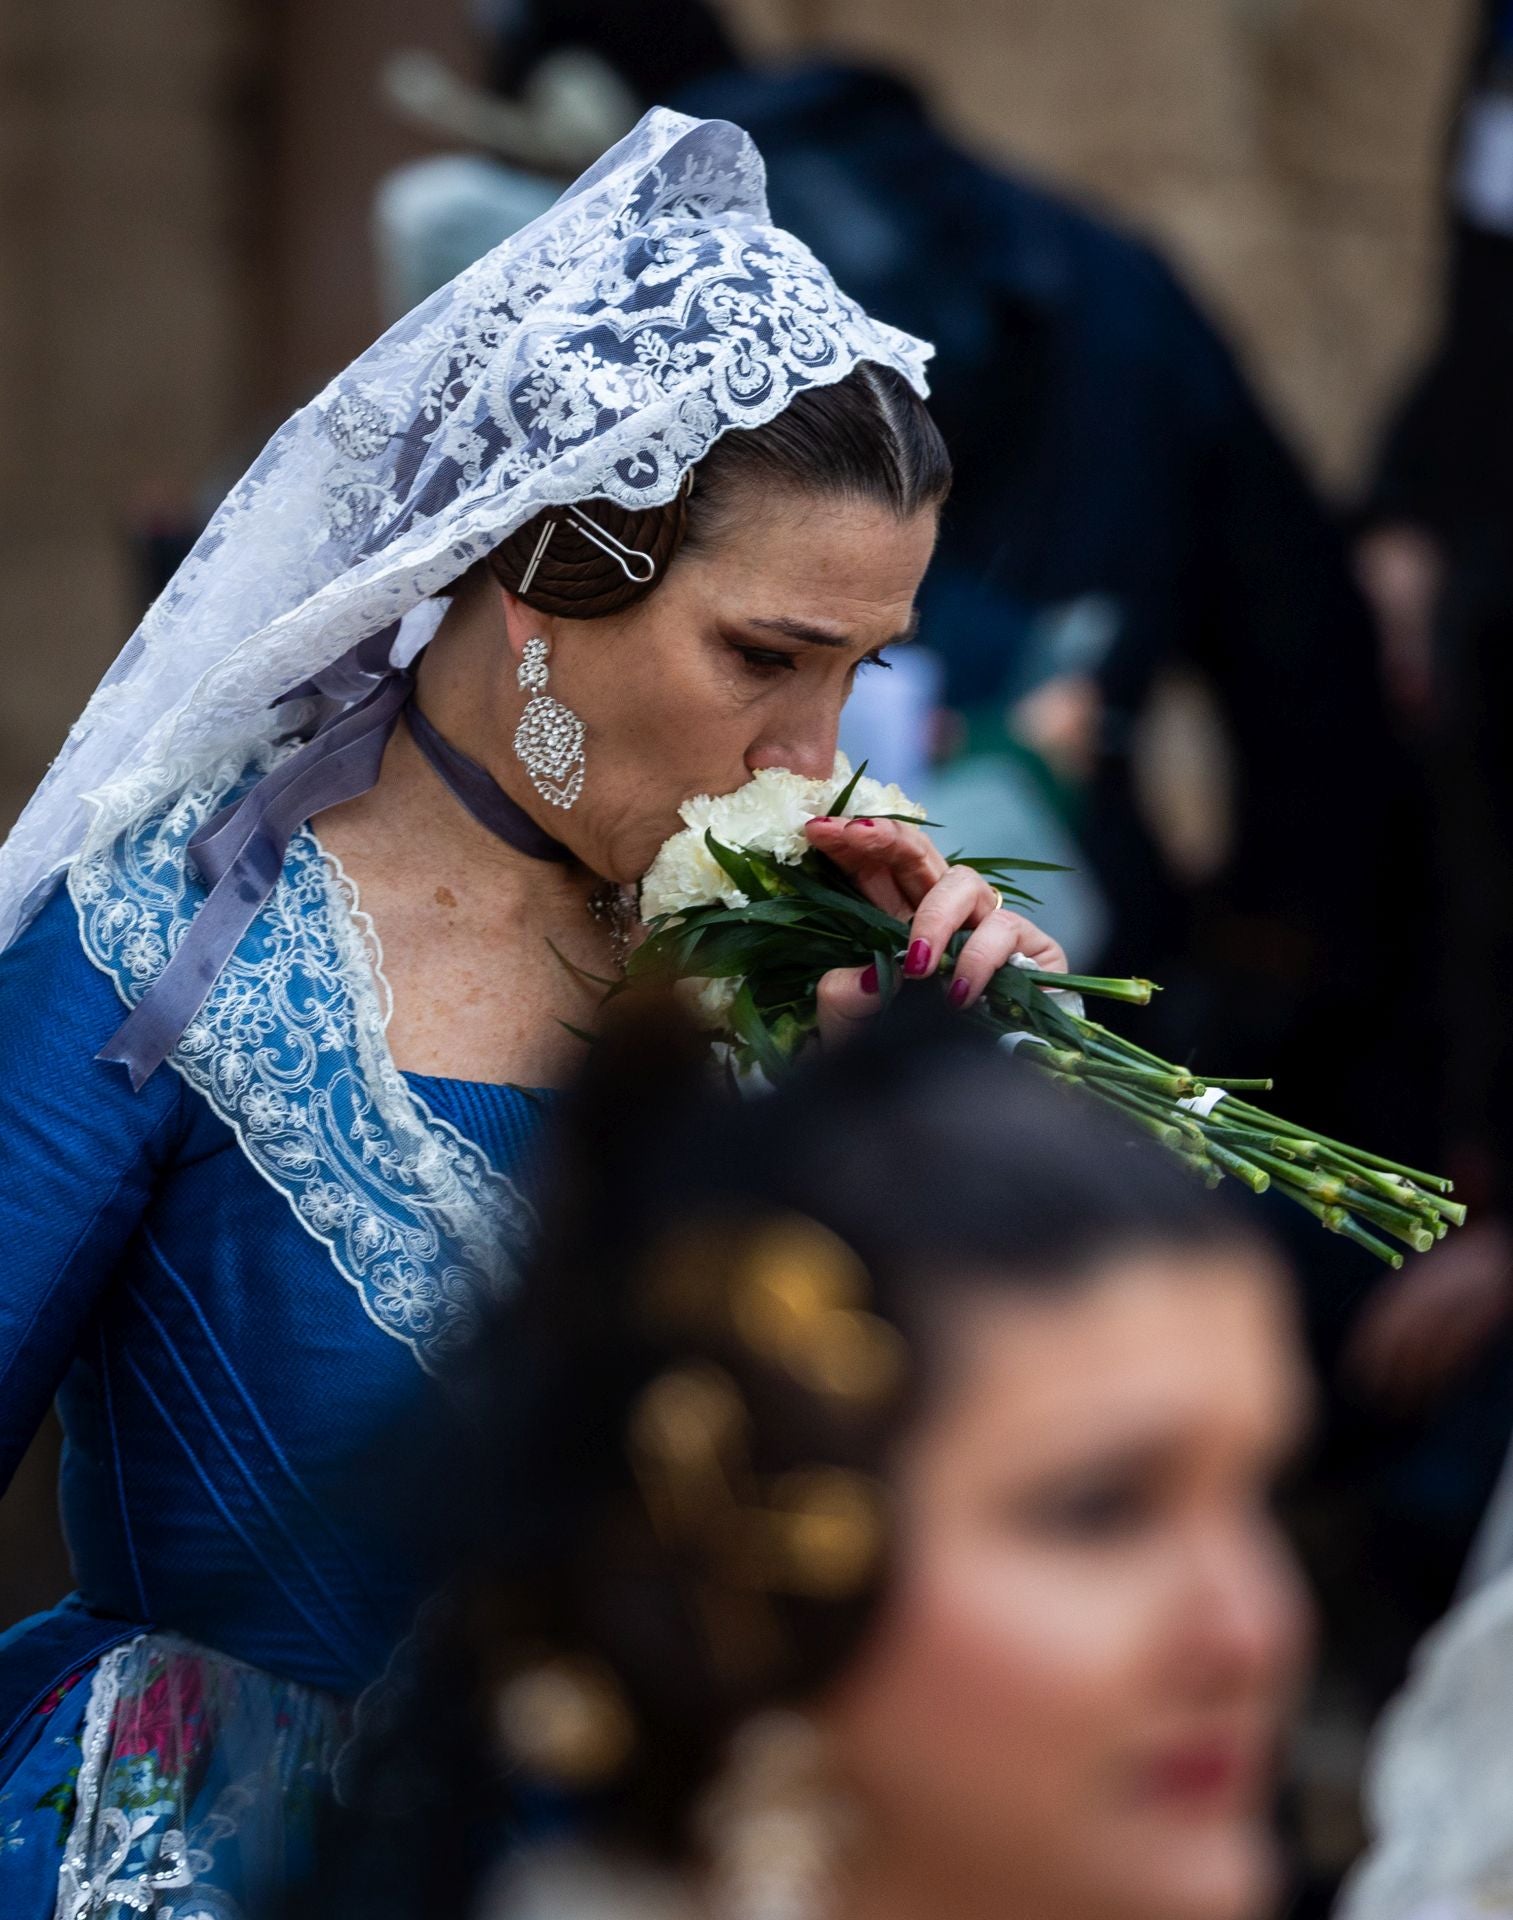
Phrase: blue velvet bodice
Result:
[221,1386]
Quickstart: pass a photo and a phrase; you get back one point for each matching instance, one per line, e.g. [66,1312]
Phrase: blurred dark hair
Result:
[865,437]
[940,1162]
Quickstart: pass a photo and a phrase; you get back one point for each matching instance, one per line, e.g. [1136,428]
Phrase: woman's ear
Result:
[522,623]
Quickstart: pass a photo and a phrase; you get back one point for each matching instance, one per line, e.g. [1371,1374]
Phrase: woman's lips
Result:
[1207,1773]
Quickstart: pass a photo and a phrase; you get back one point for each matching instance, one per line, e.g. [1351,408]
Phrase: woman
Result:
[652,490]
[876,1479]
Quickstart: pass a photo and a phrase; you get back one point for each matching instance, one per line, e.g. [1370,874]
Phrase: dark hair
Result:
[936,1158]
[868,437]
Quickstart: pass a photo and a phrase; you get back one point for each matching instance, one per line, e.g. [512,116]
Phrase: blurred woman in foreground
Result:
[886,1531]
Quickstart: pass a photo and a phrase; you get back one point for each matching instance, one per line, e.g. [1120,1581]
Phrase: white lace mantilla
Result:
[1440,1785]
[290,1050]
[599,353]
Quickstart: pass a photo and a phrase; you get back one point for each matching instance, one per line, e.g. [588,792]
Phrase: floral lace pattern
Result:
[598,353]
[198,1784]
[289,1050]
[1440,1783]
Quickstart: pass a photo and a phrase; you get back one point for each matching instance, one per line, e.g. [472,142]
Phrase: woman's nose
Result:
[810,753]
[1255,1615]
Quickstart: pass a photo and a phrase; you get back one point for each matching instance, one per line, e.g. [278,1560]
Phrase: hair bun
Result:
[575,577]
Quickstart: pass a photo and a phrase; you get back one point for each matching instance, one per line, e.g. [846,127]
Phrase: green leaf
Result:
[746,1019]
[791,1034]
[738,867]
[778,913]
[994,864]
[843,799]
[848,902]
[579,973]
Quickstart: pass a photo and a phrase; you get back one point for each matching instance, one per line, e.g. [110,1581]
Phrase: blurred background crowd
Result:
[1223,295]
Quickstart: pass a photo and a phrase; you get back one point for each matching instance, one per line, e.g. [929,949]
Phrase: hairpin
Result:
[602,538]
[617,550]
[535,561]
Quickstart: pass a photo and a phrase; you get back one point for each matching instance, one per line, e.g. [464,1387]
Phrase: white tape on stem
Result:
[1203,1104]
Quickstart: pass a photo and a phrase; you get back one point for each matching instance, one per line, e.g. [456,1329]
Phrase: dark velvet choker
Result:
[476,790]
[239,853]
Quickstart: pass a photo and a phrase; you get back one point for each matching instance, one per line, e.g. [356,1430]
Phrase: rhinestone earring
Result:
[549,739]
[777,1831]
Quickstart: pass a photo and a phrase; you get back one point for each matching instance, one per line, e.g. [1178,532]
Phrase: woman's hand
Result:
[900,869]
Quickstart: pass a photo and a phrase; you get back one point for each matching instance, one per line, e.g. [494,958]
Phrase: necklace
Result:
[613,907]
[475,789]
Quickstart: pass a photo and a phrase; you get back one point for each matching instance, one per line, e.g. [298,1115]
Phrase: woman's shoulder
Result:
[47,971]
[56,1012]
[138,894]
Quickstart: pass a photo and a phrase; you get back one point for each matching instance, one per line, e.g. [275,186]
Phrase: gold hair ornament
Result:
[792,1293]
[565,1719]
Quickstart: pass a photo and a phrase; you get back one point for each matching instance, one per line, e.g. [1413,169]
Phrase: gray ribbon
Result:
[239,853]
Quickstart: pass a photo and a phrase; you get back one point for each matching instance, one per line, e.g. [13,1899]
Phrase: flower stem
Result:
[1134,993]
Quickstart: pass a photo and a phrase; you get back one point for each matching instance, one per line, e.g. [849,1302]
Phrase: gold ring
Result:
[997,906]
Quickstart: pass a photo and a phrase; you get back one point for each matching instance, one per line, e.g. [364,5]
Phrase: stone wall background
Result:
[1287,152]
[126,235]
[183,257]
[183,224]
[184,188]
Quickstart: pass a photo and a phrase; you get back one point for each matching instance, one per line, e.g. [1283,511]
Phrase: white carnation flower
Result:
[872,798]
[709,1001]
[686,874]
[767,815]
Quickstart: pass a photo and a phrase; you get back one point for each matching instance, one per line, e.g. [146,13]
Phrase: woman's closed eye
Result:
[767,662]
[1101,1507]
[1119,1500]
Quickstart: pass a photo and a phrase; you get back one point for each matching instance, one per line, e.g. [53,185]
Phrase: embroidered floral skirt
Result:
[167,1781]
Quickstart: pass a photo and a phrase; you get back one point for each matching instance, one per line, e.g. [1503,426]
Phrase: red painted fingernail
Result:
[959,991]
[869,981]
[918,962]
[862,823]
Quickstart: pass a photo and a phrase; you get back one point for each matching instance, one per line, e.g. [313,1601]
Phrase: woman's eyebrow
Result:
[827,636]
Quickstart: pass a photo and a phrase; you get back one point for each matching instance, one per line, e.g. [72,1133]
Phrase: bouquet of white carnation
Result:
[743,910]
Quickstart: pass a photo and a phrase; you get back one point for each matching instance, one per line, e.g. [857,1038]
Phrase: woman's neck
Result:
[895,1883]
[466,687]
[410,829]
[490,953]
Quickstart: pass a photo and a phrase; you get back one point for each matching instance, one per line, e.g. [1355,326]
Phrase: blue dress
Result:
[235,1283]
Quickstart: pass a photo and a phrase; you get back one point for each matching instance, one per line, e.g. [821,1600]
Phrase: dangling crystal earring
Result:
[775,1828]
[549,739]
